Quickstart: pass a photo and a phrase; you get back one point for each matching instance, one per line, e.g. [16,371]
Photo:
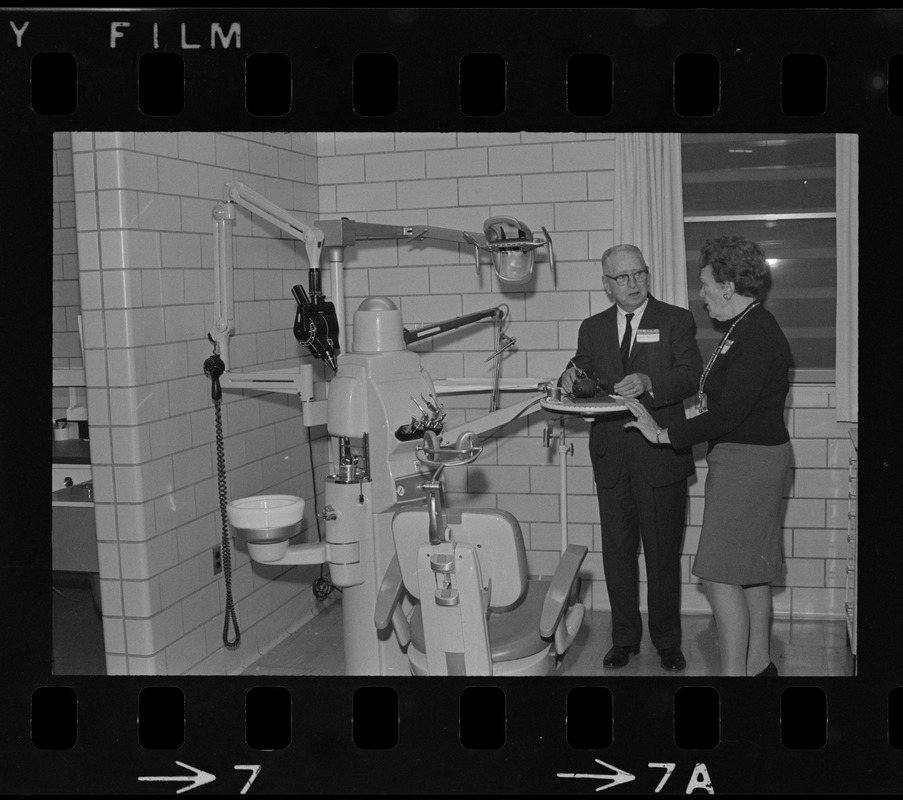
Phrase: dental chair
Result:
[474,610]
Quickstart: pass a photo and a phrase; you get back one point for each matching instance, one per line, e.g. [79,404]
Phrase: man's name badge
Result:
[645,335]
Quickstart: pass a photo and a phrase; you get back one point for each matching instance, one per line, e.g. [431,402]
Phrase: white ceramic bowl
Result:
[265,511]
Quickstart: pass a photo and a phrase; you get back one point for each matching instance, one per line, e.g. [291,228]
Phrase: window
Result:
[779,191]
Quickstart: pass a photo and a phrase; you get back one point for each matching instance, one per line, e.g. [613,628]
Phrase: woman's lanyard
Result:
[701,399]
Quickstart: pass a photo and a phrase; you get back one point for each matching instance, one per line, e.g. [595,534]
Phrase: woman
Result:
[739,410]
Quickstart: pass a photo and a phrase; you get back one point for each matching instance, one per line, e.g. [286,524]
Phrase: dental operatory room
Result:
[447,403]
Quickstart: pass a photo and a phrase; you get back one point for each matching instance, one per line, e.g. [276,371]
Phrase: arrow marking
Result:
[198,779]
[616,777]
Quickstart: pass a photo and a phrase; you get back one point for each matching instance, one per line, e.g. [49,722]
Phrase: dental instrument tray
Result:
[584,406]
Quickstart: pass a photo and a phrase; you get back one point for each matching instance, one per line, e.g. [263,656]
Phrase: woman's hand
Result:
[644,422]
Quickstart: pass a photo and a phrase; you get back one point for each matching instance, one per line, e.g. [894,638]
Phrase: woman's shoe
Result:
[771,671]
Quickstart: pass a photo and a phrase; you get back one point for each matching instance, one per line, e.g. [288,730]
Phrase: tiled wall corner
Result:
[143,205]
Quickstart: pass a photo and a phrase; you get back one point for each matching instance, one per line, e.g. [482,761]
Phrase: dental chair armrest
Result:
[555,603]
[390,593]
[388,604]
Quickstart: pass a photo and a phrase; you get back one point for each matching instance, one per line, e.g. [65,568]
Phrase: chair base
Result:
[538,664]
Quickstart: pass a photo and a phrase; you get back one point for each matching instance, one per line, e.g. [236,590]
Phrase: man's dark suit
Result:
[642,487]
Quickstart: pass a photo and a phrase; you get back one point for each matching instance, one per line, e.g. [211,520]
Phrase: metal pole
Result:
[337,290]
[223,214]
[564,450]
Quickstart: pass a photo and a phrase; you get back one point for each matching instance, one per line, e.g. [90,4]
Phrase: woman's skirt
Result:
[741,541]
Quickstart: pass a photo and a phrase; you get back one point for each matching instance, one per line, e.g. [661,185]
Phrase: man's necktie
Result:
[625,342]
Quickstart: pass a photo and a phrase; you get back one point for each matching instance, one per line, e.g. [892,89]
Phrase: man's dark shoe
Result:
[672,659]
[619,656]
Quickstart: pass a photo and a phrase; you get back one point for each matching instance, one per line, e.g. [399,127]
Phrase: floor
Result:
[799,648]
[77,627]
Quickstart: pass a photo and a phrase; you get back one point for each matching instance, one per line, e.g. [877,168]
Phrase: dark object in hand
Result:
[588,387]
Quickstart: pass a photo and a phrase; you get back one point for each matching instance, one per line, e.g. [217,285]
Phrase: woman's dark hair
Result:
[737,259]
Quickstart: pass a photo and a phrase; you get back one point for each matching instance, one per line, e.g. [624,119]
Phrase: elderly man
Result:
[639,348]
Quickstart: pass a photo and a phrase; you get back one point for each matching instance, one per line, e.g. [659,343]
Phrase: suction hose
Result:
[214,367]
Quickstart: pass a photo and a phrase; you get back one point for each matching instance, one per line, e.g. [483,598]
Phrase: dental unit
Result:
[426,588]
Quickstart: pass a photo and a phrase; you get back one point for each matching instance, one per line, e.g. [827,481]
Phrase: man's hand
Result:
[567,379]
[633,385]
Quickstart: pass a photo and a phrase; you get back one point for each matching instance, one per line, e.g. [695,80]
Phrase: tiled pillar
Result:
[116,259]
[66,348]
[144,203]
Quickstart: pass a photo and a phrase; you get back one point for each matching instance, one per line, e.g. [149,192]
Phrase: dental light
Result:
[510,245]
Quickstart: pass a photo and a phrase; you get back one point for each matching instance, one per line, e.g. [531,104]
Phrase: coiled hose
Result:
[227,552]
[214,367]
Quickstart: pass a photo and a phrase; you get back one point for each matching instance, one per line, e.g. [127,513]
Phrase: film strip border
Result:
[352,736]
[376,87]
[419,68]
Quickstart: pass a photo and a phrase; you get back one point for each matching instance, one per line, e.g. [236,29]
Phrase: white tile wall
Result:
[456,163]
[520,159]
[363,142]
[422,141]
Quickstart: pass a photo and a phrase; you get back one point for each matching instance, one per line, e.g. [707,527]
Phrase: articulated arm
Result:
[312,236]
[450,324]
[317,322]
[509,242]
[346,232]
[494,419]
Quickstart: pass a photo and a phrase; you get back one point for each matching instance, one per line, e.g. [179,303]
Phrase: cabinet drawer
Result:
[74,539]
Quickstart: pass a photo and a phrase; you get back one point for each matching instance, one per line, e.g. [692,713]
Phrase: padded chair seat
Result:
[513,633]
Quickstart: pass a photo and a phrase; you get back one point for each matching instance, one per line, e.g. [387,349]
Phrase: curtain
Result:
[847,335]
[648,208]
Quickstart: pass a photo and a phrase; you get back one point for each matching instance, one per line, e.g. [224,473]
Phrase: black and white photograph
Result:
[452,400]
[210,289]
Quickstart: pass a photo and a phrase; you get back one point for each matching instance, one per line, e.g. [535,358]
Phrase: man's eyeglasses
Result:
[639,276]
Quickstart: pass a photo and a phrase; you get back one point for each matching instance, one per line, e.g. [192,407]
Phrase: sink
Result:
[266,518]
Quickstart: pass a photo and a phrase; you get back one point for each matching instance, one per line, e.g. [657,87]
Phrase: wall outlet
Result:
[217,560]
